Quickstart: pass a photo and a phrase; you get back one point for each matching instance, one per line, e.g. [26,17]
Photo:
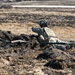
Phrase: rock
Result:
[6,62]
[22,72]
[50,71]
[38,71]
[9,58]
[2,65]
[4,72]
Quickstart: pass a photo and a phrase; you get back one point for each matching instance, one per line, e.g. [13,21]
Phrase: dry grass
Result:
[64,33]
[18,28]
[30,11]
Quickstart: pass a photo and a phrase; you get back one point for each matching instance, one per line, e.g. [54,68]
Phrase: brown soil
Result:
[30,58]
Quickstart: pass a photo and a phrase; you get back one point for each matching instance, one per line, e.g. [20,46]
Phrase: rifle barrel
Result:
[63,43]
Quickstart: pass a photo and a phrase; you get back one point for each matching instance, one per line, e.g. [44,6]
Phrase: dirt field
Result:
[31,58]
[44,2]
[62,21]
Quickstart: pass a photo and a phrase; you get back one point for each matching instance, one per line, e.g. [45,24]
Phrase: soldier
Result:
[47,36]
[45,33]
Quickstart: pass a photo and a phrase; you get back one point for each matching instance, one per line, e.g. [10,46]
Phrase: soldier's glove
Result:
[32,28]
[47,39]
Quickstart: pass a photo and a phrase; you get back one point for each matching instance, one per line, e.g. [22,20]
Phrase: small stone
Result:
[6,62]
[10,58]
[38,71]
[1,65]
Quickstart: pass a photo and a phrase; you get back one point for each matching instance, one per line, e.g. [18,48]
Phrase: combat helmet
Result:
[43,23]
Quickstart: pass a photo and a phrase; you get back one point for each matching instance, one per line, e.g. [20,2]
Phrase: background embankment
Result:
[39,2]
[55,17]
[19,21]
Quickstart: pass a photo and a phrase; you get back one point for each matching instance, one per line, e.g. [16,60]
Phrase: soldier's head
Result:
[43,23]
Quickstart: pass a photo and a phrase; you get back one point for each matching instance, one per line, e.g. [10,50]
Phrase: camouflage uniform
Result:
[46,34]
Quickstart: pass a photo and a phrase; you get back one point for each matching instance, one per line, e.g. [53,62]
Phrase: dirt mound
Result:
[22,57]
[60,59]
[57,59]
[7,37]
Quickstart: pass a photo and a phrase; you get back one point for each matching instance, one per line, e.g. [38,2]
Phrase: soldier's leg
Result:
[58,46]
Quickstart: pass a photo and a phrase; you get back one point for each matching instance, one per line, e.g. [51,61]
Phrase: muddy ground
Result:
[30,58]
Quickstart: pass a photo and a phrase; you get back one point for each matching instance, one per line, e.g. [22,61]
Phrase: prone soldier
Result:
[47,36]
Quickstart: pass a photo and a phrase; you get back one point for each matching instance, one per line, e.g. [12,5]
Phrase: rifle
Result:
[62,43]
[71,43]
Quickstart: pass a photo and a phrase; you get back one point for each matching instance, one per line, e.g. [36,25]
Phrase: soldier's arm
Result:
[37,30]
